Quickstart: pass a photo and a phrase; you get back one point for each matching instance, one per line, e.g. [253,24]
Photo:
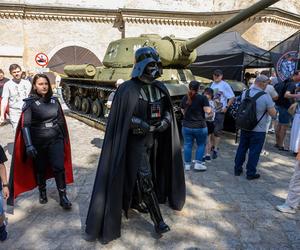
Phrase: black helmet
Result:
[144,56]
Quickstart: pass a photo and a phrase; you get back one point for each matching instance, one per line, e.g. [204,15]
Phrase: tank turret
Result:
[86,88]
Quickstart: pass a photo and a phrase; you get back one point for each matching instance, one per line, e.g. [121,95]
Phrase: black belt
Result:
[45,125]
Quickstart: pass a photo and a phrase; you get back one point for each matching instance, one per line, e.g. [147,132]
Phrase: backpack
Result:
[246,115]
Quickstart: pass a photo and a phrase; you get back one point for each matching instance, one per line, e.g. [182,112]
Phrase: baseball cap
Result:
[261,78]
[218,72]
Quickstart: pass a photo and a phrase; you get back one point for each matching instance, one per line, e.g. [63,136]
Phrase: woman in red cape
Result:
[42,149]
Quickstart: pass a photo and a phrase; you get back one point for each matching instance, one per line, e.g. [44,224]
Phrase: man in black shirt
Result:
[286,92]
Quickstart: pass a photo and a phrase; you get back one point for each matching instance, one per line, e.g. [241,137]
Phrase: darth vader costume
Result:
[41,150]
[140,164]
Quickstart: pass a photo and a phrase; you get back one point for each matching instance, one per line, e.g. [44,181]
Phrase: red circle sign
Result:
[41,59]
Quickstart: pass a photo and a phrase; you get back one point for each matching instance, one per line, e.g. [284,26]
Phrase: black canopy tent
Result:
[229,52]
[285,56]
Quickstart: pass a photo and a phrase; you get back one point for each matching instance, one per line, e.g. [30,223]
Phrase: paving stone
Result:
[222,211]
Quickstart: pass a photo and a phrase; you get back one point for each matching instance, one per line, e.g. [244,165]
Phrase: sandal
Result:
[282,149]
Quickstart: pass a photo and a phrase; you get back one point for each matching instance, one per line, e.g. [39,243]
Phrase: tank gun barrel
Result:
[192,44]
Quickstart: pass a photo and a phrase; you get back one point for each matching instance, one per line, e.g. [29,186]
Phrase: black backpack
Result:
[246,115]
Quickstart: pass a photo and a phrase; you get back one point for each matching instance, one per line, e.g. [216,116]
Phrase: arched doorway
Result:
[70,55]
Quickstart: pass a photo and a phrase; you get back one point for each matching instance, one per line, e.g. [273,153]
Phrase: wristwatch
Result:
[5,185]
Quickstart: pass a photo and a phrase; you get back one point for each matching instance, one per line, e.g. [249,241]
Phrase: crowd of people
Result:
[141,163]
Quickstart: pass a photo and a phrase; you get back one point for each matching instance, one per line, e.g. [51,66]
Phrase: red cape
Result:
[22,175]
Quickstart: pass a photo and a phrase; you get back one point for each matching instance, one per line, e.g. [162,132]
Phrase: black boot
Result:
[63,199]
[42,189]
[43,196]
[139,207]
[137,202]
[61,187]
[153,207]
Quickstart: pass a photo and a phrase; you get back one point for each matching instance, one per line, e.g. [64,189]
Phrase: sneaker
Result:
[215,154]
[271,131]
[187,167]
[264,152]
[208,158]
[253,177]
[203,160]
[200,167]
[238,173]
[284,208]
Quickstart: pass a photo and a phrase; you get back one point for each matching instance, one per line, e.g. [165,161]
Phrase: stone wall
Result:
[292,6]
[29,27]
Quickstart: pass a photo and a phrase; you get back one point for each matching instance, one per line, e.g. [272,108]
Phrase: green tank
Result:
[86,88]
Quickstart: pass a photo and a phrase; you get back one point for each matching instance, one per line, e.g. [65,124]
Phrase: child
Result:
[209,93]
[4,194]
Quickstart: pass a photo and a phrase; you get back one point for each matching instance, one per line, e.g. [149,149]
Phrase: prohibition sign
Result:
[41,59]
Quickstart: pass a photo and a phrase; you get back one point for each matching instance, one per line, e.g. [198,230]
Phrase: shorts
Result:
[283,115]
[1,203]
[219,122]
[210,127]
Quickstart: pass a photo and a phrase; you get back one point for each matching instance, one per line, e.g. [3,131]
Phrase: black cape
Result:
[114,181]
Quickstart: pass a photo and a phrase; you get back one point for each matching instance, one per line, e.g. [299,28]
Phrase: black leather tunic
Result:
[44,119]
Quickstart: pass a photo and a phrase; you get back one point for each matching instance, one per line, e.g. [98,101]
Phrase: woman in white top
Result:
[295,131]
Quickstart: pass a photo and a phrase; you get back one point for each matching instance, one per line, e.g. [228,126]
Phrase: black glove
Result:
[165,123]
[31,151]
[139,126]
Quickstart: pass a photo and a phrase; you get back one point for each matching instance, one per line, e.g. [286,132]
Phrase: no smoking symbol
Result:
[41,59]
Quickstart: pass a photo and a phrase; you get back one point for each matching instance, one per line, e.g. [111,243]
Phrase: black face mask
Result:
[152,71]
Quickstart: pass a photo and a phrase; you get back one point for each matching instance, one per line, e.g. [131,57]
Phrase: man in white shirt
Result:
[223,98]
[14,91]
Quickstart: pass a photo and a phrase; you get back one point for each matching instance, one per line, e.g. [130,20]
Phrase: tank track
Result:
[108,89]
[91,86]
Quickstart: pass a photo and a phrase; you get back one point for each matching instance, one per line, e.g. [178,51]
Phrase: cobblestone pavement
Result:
[221,212]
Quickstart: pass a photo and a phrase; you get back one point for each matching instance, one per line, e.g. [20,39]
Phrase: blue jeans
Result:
[252,141]
[189,135]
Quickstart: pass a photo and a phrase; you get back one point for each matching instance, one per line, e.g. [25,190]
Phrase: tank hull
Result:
[88,97]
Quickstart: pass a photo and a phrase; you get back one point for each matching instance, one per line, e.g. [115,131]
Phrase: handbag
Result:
[292,108]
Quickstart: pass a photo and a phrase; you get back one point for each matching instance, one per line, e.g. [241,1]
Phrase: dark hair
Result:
[13,67]
[1,71]
[33,91]
[193,90]
[209,91]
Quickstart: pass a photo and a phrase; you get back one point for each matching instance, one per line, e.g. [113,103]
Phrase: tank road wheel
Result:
[97,108]
[86,105]
[77,102]
[66,91]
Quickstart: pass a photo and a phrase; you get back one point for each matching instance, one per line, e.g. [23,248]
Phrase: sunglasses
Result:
[217,75]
